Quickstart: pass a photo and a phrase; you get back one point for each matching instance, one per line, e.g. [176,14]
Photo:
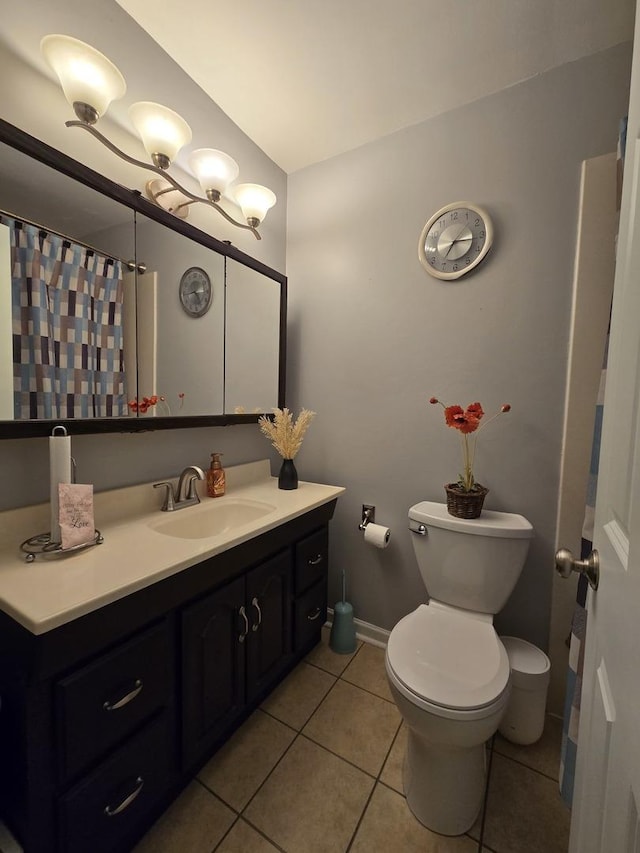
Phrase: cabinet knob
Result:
[242,612]
[313,561]
[128,697]
[254,603]
[112,811]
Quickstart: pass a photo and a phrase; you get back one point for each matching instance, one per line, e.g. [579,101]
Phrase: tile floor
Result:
[317,769]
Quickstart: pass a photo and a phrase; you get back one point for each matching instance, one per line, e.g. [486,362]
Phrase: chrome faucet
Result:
[185,493]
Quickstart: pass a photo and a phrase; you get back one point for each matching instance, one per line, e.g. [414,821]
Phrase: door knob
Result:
[567,563]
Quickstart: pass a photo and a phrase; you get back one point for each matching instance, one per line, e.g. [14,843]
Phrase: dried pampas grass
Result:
[284,433]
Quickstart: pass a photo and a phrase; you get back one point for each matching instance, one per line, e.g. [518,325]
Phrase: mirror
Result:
[187,372]
[252,352]
[217,365]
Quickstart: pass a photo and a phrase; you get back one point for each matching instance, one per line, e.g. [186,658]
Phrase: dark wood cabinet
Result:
[236,643]
[104,720]
[213,669]
[268,641]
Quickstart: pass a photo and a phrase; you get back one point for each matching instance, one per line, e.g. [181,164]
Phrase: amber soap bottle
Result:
[216,480]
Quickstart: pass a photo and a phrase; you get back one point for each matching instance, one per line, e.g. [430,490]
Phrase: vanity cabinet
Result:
[105,719]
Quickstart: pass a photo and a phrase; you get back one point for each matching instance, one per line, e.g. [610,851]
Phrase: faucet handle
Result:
[192,494]
[169,504]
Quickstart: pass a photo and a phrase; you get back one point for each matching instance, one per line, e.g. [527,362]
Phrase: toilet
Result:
[447,668]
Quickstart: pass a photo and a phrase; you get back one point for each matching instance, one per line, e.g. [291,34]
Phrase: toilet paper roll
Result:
[59,472]
[377,535]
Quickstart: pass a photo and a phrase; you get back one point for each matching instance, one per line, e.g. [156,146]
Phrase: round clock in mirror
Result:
[455,240]
[196,293]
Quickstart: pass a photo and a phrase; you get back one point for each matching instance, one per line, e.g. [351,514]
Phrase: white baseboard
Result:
[365,631]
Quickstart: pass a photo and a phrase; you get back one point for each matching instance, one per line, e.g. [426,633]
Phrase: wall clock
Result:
[455,240]
[196,292]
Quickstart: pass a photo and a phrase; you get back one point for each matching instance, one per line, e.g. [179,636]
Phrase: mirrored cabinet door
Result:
[180,309]
[64,251]
[252,350]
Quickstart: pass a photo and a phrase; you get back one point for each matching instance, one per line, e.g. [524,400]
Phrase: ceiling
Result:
[310,79]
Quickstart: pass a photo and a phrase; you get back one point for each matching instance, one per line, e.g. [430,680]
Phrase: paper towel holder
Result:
[368,515]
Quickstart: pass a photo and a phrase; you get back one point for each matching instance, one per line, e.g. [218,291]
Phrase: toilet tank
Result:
[469,563]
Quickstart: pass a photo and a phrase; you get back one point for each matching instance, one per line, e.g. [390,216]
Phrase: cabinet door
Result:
[270,611]
[214,634]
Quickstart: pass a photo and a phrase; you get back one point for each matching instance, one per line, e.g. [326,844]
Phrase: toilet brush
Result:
[343,632]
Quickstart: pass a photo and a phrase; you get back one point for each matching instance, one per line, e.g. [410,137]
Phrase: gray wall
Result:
[373,336]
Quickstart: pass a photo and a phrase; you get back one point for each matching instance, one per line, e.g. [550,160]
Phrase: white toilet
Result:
[447,669]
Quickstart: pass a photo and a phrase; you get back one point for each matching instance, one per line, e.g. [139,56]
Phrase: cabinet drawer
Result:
[310,615]
[103,812]
[311,559]
[100,704]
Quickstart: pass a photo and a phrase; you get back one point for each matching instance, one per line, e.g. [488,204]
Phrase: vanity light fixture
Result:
[90,82]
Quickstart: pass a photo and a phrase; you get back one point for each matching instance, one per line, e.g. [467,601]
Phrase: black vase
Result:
[288,476]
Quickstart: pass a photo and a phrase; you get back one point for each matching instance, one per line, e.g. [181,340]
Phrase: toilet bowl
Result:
[450,711]
[447,669]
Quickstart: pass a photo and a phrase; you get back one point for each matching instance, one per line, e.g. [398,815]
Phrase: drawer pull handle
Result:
[243,613]
[129,697]
[313,561]
[254,603]
[112,811]
[314,616]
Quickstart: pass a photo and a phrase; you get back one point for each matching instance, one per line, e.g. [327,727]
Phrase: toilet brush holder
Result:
[343,631]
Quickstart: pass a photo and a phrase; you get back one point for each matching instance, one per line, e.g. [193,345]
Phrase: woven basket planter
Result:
[463,504]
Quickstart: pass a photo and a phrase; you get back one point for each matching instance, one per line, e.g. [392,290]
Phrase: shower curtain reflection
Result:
[67,321]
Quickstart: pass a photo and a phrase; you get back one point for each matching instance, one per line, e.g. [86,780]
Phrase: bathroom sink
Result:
[211,519]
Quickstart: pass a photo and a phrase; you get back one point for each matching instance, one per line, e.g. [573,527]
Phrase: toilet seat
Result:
[448,658]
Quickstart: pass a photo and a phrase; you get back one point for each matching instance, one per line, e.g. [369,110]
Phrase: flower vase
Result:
[288,476]
[463,504]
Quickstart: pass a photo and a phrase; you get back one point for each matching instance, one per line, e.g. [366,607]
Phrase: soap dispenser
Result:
[216,480]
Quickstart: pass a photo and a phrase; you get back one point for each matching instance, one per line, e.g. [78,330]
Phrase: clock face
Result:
[195,292]
[455,240]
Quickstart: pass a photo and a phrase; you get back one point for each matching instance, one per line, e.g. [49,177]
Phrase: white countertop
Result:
[52,591]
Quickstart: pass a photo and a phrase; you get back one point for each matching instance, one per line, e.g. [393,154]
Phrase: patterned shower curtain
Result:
[67,305]
[579,623]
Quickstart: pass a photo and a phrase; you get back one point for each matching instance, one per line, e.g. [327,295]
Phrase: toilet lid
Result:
[449,657]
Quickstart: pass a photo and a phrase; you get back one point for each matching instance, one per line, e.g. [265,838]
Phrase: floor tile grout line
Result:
[258,831]
[233,823]
[341,757]
[370,692]
[528,766]
[361,818]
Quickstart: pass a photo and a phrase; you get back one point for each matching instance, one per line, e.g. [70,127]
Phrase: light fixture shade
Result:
[214,169]
[254,200]
[85,74]
[168,198]
[162,131]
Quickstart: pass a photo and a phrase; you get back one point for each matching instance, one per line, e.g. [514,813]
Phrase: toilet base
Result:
[444,786]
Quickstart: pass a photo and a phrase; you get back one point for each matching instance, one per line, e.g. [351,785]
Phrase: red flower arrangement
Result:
[145,404]
[467,421]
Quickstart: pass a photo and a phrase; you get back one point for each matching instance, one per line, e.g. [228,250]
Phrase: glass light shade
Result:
[85,74]
[162,131]
[168,198]
[254,200]
[214,169]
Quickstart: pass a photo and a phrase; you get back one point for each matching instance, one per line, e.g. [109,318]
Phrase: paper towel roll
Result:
[377,534]
[59,472]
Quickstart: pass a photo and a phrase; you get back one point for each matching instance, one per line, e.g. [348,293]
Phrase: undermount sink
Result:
[211,519]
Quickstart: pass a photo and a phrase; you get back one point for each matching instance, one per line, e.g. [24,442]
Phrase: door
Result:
[214,631]
[269,609]
[606,810]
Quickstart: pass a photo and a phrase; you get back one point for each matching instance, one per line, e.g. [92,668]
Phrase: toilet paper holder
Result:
[368,515]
